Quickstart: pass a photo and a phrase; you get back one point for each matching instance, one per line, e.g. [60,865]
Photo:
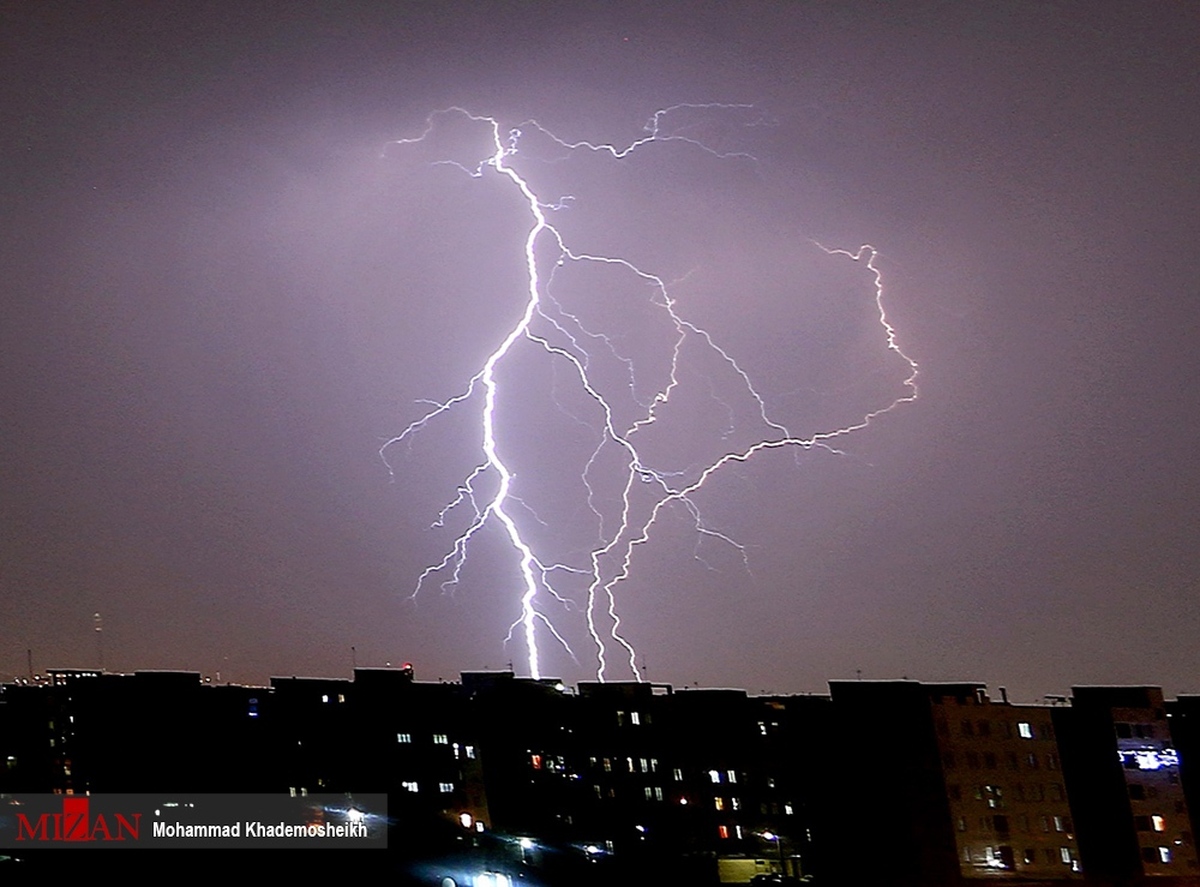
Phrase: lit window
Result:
[649,793]
[714,776]
[341,697]
[536,761]
[608,765]
[788,809]
[658,793]
[470,749]
[404,737]
[738,831]
[1064,854]
[1158,823]
[635,718]
[762,728]
[735,803]
[654,765]
[629,763]
[1164,854]
[719,803]
[731,775]
[645,765]
[1058,825]
[677,774]
[441,739]
[1025,730]
[445,787]
[723,831]
[325,697]
[410,786]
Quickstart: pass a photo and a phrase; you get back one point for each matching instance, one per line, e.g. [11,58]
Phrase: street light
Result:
[778,839]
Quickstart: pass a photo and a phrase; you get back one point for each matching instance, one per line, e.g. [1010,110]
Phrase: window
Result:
[735,803]
[324,697]
[649,793]
[985,728]
[629,764]
[620,719]
[645,765]
[608,765]
[409,786]
[1058,824]
[962,823]
[1030,856]
[1158,823]
[989,760]
[404,737]
[1032,761]
[677,774]
[788,809]
[723,831]
[536,761]
[973,760]
[444,787]
[1025,730]
[968,728]
[654,765]
[731,775]
[441,739]
[719,803]
[635,718]
[1164,854]
[1064,853]
[714,776]
[658,793]
[470,749]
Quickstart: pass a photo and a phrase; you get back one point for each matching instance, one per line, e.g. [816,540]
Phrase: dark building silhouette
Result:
[890,783]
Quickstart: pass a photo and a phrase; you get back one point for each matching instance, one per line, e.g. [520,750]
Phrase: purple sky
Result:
[221,295]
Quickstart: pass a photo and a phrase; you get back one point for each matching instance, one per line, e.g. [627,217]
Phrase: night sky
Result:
[224,288]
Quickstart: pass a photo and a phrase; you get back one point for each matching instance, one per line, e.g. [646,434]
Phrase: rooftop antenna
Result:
[98,627]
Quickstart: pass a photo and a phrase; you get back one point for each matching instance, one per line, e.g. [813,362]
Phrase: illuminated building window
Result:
[645,765]
[441,739]
[973,760]
[635,718]
[654,765]
[410,786]
[719,803]
[404,737]
[735,803]
[1025,730]
[731,775]
[1030,856]
[620,719]
[962,823]
[1158,823]
[445,787]
[1064,853]
[677,774]
[738,831]
[723,831]
[608,765]
[325,697]
[649,793]
[1058,824]
[714,776]
[1164,854]
[341,697]
[789,810]
[536,761]
[762,728]
[658,793]
[629,764]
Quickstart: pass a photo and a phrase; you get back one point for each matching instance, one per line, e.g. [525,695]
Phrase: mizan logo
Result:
[76,824]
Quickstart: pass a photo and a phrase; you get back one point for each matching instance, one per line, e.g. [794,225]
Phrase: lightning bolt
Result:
[645,490]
